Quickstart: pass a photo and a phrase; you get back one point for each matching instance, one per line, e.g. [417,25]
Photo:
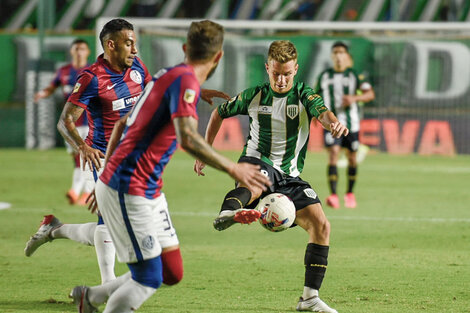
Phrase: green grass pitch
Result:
[406,248]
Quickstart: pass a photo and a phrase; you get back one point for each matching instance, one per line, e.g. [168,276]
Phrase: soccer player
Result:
[106,91]
[339,87]
[129,190]
[65,77]
[280,113]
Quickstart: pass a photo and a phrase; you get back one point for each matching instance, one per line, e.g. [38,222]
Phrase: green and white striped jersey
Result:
[279,123]
[332,85]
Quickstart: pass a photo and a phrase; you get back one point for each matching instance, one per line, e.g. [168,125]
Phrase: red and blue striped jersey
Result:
[107,96]
[149,139]
[66,77]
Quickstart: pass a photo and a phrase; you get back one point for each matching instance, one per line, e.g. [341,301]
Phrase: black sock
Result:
[316,261]
[352,172]
[236,199]
[332,178]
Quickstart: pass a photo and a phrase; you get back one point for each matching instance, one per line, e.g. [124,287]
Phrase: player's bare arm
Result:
[331,123]
[67,129]
[46,92]
[193,143]
[366,96]
[208,94]
[213,127]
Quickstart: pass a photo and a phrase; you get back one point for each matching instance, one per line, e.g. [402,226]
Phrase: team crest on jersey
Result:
[309,192]
[189,95]
[292,111]
[136,77]
[76,88]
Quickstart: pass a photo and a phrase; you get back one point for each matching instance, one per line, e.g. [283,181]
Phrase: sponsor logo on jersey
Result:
[264,109]
[122,103]
[136,77]
[309,192]
[189,95]
[292,111]
[76,88]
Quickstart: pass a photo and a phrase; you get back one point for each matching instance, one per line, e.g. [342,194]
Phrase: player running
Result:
[106,91]
[129,190]
[66,76]
[339,87]
[280,114]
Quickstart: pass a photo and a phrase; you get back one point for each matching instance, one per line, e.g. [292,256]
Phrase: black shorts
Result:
[295,188]
[350,142]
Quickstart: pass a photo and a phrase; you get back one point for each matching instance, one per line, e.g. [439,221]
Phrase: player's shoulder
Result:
[251,92]
[327,71]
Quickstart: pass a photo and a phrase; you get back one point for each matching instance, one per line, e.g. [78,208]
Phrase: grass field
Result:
[406,248]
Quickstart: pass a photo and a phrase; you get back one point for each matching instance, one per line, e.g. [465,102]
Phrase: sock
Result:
[172,267]
[77,181]
[99,294]
[332,178]
[128,297]
[236,199]
[105,252]
[82,233]
[316,261]
[352,172]
[309,293]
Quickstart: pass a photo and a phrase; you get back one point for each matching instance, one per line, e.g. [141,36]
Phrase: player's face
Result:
[281,75]
[80,52]
[125,48]
[341,58]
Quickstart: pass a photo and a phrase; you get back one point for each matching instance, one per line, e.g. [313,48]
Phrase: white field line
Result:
[352,218]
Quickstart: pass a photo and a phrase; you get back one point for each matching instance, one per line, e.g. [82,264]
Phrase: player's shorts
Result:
[350,142]
[82,131]
[91,176]
[140,227]
[300,192]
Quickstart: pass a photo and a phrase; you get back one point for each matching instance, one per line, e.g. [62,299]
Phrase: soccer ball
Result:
[277,212]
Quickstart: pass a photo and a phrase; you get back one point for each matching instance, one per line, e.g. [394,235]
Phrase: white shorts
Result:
[83,132]
[139,227]
[91,176]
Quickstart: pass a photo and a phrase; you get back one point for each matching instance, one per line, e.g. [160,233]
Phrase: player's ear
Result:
[218,56]
[296,68]
[266,66]
[110,44]
[184,48]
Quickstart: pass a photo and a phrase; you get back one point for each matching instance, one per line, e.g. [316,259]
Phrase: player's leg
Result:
[313,220]
[332,172]
[352,146]
[77,180]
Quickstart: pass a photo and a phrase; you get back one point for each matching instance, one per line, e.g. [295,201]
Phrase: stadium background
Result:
[421,77]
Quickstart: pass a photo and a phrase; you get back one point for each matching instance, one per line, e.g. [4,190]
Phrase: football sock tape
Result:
[236,199]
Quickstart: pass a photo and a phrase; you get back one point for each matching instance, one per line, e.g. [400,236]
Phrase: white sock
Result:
[82,233]
[77,181]
[99,294]
[105,252]
[128,298]
[88,185]
[309,293]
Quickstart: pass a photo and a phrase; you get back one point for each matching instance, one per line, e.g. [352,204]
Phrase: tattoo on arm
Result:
[66,125]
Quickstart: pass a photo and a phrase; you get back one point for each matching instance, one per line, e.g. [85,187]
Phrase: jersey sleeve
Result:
[237,105]
[85,89]
[184,97]
[312,101]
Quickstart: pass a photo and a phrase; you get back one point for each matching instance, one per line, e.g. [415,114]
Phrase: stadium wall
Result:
[422,85]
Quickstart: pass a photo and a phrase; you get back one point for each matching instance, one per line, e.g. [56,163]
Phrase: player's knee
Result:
[172,267]
[148,272]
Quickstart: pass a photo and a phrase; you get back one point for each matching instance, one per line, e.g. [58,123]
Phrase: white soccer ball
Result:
[277,212]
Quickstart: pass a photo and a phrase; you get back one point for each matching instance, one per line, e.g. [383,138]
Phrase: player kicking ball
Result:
[128,192]
[280,114]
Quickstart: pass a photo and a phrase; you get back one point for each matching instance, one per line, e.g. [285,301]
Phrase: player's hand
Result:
[198,167]
[92,204]
[208,94]
[91,156]
[249,175]
[39,95]
[348,100]
[337,130]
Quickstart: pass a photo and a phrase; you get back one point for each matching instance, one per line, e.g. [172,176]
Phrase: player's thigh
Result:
[314,221]
[132,222]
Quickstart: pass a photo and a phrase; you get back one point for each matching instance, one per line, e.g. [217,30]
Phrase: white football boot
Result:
[79,295]
[227,218]
[43,235]
[314,304]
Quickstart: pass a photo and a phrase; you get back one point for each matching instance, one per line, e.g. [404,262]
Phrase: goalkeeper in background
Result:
[339,86]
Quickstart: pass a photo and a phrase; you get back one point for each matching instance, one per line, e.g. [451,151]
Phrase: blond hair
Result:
[282,51]
[204,40]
